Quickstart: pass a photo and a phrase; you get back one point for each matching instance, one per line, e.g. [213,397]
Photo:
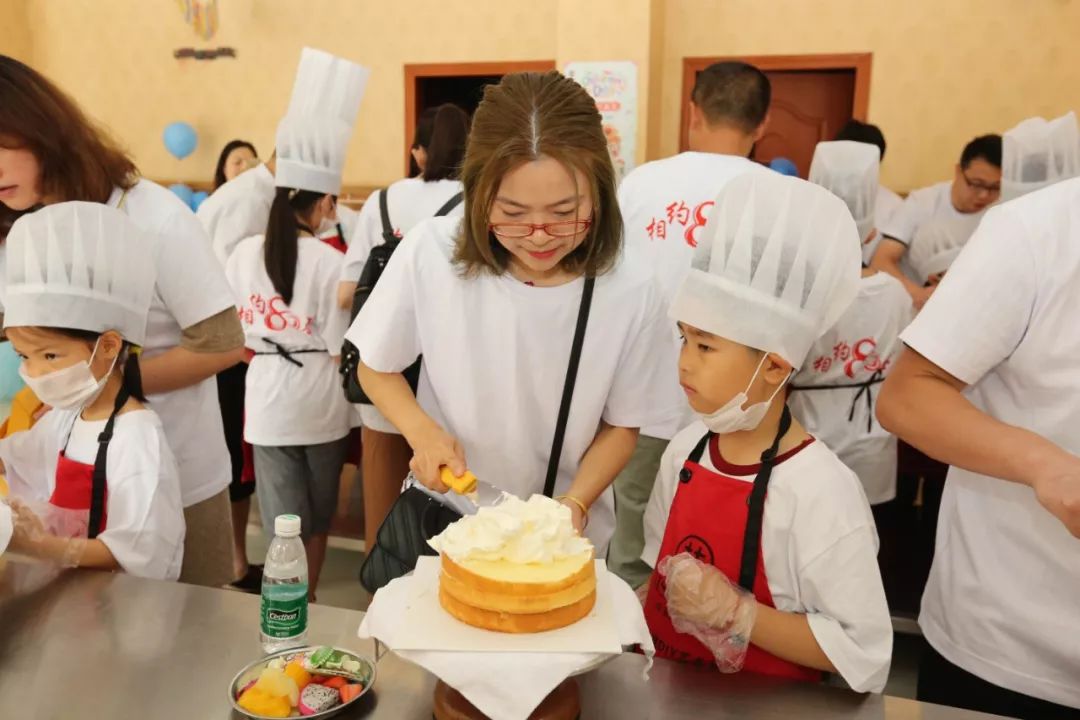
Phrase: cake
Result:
[516,567]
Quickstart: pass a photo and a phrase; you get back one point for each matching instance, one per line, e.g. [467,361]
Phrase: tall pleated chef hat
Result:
[328,85]
[849,170]
[937,243]
[778,265]
[311,152]
[1037,153]
[82,266]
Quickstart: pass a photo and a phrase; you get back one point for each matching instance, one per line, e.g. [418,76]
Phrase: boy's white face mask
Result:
[732,417]
[71,388]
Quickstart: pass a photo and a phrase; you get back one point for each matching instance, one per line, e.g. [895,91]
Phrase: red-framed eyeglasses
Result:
[519,231]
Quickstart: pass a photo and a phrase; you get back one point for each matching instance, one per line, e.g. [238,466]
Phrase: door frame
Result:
[415,72]
[861,63]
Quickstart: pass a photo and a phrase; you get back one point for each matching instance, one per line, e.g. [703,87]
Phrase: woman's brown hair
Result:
[79,161]
[525,117]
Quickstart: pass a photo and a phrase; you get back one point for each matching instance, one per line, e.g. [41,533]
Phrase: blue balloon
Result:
[180,139]
[198,198]
[784,166]
[183,192]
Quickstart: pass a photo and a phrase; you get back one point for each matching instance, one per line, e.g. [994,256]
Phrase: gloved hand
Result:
[703,603]
[32,537]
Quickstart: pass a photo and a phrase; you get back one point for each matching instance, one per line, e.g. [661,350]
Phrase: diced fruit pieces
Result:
[335,682]
[350,692]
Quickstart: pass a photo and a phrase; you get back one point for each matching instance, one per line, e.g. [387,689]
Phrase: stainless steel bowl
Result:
[367,673]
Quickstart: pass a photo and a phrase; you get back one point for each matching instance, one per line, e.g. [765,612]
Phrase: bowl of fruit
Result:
[313,682]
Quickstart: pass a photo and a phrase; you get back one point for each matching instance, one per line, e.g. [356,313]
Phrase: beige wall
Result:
[15,36]
[943,70]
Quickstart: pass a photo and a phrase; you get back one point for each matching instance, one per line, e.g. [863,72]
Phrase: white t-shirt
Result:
[286,405]
[922,205]
[409,202]
[885,205]
[496,353]
[1002,598]
[665,205]
[238,209]
[819,547]
[862,344]
[191,287]
[144,515]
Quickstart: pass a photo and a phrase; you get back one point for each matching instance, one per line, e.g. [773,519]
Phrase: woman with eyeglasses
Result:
[975,186]
[492,302]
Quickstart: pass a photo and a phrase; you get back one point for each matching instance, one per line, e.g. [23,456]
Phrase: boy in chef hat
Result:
[788,585]
[834,391]
[1037,153]
[96,469]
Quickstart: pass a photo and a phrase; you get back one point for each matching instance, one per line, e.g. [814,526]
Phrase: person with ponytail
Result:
[297,419]
[438,152]
[94,480]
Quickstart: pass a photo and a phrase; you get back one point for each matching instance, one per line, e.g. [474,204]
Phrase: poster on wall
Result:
[614,87]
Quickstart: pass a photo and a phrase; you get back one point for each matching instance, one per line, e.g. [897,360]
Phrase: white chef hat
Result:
[328,85]
[779,264]
[81,266]
[849,170]
[938,243]
[1037,153]
[311,153]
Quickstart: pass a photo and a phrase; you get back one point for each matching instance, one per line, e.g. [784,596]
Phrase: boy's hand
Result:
[697,592]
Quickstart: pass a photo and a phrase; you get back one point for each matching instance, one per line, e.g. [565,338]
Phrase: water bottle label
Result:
[284,617]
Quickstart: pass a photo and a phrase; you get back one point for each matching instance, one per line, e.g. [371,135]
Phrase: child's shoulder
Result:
[822,489]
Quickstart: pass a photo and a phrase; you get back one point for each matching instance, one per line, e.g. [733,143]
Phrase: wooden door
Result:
[460,83]
[812,97]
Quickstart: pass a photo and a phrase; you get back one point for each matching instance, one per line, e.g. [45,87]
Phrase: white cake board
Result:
[427,626]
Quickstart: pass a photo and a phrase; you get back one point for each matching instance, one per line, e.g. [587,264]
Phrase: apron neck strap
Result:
[97,492]
[756,511]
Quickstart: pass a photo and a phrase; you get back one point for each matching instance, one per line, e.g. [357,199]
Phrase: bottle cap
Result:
[287,525]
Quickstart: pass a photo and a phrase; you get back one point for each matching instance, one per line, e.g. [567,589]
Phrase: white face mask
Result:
[326,226]
[733,418]
[72,388]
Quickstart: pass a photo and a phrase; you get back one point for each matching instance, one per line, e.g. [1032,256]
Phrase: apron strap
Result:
[695,457]
[98,487]
[287,354]
[863,389]
[756,512]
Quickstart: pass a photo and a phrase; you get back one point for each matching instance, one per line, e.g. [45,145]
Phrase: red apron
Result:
[84,487]
[717,519]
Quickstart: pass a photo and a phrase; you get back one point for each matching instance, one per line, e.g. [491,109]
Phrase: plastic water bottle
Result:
[284,588]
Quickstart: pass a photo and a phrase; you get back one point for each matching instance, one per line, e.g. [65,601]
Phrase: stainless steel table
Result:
[92,645]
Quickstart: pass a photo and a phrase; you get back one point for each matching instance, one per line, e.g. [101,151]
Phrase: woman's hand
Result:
[432,449]
[577,515]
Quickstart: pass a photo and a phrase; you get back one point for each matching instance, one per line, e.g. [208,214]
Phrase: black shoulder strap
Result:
[450,205]
[568,387]
[384,214]
[100,483]
[756,512]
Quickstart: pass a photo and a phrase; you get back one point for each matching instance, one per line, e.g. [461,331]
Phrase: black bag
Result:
[416,517]
[373,270]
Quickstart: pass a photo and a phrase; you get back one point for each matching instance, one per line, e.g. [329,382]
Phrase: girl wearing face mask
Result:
[50,153]
[297,418]
[96,470]
[493,301]
[762,542]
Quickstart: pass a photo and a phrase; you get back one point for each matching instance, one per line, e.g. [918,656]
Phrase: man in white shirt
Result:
[989,386]
[665,205]
[975,186]
[887,201]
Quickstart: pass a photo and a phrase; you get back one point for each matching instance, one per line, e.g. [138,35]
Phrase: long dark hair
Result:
[446,148]
[425,124]
[219,171]
[281,250]
[79,161]
[132,373]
